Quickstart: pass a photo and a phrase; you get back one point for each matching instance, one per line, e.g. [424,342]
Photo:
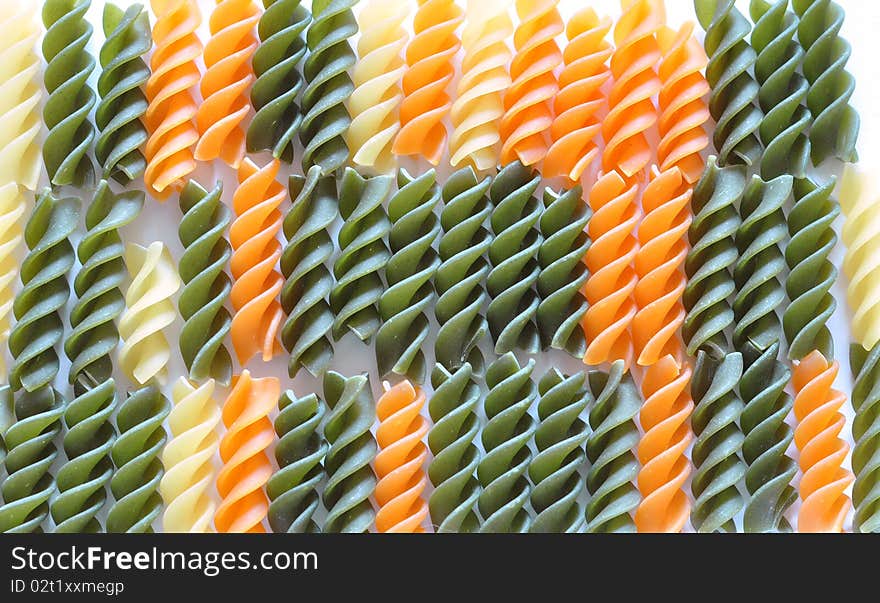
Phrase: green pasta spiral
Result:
[308,282]
[206,284]
[732,101]
[563,272]
[293,489]
[44,292]
[135,484]
[362,254]
[713,253]
[559,440]
[835,129]
[866,434]
[7,418]
[118,115]
[513,255]
[277,68]
[613,465]
[70,100]
[506,435]
[31,451]
[328,84]
[811,227]
[463,268]
[453,410]
[783,90]
[404,304]
[350,478]
[718,443]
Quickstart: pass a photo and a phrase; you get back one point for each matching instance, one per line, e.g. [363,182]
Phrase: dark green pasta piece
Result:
[559,440]
[71,99]
[453,410]
[513,254]
[279,79]
[206,283]
[404,304]
[293,489]
[866,434]
[308,281]
[350,478]
[120,111]
[362,256]
[462,271]
[610,450]
[563,271]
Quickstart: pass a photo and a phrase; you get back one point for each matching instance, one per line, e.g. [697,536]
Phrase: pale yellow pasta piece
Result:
[12,208]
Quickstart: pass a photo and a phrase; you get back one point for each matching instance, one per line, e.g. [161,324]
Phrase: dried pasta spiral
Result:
[865,432]
[12,209]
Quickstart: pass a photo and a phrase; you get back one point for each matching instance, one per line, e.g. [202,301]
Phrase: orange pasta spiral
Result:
[528,113]
[665,468]
[658,264]
[246,466]
[576,125]
[430,57]
[824,505]
[255,255]
[682,102]
[631,109]
[609,289]
[170,115]
[401,459]
[228,78]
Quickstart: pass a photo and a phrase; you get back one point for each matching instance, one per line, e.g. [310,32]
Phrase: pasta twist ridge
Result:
[304,264]
[502,470]
[350,479]
[409,273]
[612,281]
[136,454]
[29,483]
[835,128]
[430,68]
[256,251]
[810,224]
[188,458]
[453,410]
[576,125]
[44,292]
[479,98]
[363,254]
[12,209]
[664,467]
[462,270]
[70,98]
[246,465]
[682,103]
[528,109]
[513,259]
[659,264]
[277,64]
[631,111]
[122,106]
[734,96]
[149,310]
[783,90]
[401,459]
[206,284]
[328,85]
[865,430]
[718,445]
[563,274]
[375,102]
[559,441]
[817,408]
[171,112]
[226,84]
[20,96]
[613,437]
[300,451]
